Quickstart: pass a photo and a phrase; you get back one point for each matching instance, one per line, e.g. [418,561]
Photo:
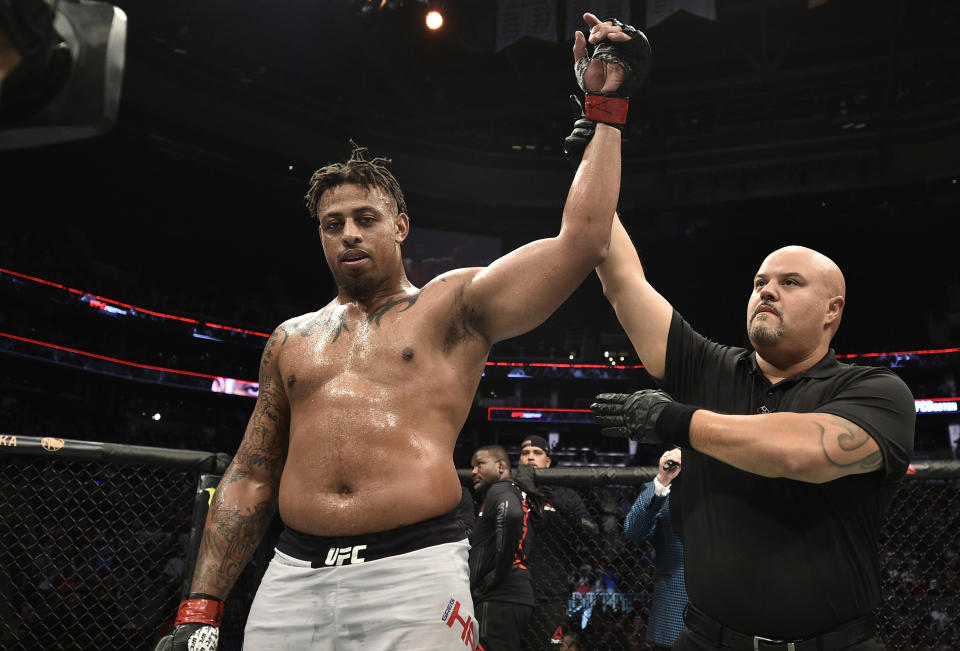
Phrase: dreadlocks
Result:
[358,169]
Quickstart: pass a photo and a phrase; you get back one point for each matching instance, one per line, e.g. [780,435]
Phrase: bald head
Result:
[796,304]
[822,269]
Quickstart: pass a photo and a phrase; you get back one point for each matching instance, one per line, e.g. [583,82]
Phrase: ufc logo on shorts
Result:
[344,555]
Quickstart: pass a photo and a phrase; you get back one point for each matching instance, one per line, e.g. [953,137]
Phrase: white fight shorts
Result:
[362,597]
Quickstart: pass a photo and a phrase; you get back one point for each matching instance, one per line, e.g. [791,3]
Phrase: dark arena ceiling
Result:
[834,126]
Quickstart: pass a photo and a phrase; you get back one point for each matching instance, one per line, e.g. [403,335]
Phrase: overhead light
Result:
[434,19]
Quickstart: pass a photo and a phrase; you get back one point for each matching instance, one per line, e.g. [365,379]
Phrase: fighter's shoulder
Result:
[282,333]
[293,323]
[307,319]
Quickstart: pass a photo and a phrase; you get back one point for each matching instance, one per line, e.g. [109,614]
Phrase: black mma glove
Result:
[197,627]
[648,416]
[610,107]
[582,132]
[633,56]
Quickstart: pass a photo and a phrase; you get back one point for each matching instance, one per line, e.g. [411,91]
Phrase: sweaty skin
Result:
[369,425]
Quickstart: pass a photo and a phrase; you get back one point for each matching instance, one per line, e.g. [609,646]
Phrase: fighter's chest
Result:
[335,345]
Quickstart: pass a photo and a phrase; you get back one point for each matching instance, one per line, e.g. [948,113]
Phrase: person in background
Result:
[649,519]
[499,575]
[564,526]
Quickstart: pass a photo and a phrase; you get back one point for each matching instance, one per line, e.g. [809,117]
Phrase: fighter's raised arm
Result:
[520,290]
[644,313]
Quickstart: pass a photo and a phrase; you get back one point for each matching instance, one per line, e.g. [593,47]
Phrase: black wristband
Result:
[203,595]
[673,424]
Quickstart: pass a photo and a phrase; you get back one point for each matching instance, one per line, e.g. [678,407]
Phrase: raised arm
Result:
[644,314]
[246,498]
[520,290]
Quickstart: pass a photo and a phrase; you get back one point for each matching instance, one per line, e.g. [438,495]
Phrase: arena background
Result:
[171,243]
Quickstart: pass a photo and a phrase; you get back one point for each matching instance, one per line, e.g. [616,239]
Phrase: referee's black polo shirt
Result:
[781,558]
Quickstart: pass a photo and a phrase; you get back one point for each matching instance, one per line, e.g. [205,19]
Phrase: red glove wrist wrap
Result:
[200,611]
[612,110]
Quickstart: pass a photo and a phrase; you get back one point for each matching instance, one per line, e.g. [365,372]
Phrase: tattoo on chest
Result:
[391,303]
[329,324]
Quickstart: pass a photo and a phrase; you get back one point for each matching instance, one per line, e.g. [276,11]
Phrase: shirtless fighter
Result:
[361,403]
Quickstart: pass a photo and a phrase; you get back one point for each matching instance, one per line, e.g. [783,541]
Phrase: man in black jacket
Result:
[499,577]
[565,525]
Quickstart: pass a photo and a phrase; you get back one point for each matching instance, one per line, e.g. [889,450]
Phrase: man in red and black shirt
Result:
[499,577]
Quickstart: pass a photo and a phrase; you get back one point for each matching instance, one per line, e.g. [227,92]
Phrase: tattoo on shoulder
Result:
[333,325]
[841,440]
[391,303]
[280,333]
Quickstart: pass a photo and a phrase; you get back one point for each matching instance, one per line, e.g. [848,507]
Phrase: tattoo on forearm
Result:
[241,511]
[238,536]
[233,532]
[391,303]
[845,439]
[230,540]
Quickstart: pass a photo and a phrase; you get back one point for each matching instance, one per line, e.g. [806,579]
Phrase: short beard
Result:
[360,288]
[765,337]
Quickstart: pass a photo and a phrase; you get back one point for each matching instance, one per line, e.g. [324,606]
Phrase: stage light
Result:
[434,19]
